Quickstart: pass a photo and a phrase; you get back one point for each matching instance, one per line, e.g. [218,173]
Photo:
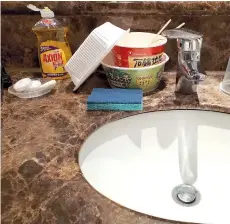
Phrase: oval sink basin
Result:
[137,161]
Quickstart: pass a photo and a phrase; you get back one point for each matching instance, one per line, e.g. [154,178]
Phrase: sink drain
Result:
[186,195]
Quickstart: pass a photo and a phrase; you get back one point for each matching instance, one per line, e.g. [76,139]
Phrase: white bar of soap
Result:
[22,85]
[48,85]
[36,84]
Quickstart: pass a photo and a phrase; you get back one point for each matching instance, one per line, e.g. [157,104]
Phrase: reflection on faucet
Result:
[187,151]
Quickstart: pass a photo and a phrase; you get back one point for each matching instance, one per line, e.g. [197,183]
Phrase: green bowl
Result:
[145,78]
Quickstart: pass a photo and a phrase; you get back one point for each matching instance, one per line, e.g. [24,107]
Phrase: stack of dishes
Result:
[136,62]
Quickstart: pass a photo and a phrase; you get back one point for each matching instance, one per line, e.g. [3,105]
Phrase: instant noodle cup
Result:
[136,49]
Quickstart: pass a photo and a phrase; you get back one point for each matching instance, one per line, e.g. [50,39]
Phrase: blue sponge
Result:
[115,99]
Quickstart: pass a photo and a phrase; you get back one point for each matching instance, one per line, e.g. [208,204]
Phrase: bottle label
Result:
[53,59]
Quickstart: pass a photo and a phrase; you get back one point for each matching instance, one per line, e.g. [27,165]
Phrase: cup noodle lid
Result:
[92,51]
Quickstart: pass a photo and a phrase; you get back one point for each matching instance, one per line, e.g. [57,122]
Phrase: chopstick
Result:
[166,24]
[182,24]
[160,31]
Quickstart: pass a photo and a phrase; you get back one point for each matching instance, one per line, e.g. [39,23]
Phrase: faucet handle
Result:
[181,33]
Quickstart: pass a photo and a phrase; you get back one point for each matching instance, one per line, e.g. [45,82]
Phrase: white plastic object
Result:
[22,85]
[92,51]
[45,13]
[45,87]
[225,84]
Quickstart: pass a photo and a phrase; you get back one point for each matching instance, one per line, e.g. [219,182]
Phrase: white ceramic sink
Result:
[135,163]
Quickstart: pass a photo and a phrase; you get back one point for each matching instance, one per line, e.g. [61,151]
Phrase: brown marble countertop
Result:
[41,179]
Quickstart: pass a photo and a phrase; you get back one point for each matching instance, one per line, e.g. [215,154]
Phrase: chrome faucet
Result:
[189,70]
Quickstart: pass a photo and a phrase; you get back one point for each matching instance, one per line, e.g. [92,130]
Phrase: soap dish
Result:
[42,90]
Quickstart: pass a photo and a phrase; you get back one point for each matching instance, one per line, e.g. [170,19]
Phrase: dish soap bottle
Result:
[53,48]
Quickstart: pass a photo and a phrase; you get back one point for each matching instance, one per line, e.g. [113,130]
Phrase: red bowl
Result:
[136,50]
